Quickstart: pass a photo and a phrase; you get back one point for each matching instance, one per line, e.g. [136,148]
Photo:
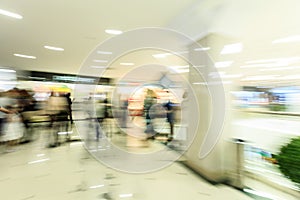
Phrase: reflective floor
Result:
[69,171]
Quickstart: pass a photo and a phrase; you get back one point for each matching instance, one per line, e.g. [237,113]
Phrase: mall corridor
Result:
[69,171]
[149,100]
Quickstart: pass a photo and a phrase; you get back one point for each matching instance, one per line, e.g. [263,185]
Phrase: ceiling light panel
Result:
[104,52]
[232,48]
[10,14]
[202,49]
[54,48]
[113,32]
[24,56]
[223,64]
[127,63]
[98,67]
[100,61]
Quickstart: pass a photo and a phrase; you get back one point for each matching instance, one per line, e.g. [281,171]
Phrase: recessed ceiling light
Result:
[100,61]
[54,48]
[98,67]
[202,49]
[127,64]
[113,32]
[104,52]
[24,56]
[10,14]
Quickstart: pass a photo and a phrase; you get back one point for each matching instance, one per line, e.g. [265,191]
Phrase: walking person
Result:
[149,101]
[170,118]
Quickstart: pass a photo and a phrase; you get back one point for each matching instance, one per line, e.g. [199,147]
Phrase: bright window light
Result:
[293,38]
[113,32]
[10,14]
[24,56]
[54,48]
[7,70]
[223,64]
[232,48]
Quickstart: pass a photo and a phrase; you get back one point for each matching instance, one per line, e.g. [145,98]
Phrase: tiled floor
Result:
[69,171]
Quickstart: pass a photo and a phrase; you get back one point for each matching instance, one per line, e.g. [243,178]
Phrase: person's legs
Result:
[170,138]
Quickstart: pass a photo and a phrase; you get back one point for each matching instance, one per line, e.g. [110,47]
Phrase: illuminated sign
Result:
[73,79]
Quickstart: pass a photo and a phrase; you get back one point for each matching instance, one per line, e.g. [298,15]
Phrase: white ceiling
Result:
[78,26]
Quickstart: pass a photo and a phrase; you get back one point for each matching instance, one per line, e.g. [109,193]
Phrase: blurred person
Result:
[27,105]
[69,107]
[11,126]
[108,116]
[100,113]
[57,109]
[149,101]
[90,108]
[124,112]
[94,113]
[4,102]
[169,106]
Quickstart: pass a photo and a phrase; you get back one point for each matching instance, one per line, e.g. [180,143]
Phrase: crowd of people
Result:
[18,107]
